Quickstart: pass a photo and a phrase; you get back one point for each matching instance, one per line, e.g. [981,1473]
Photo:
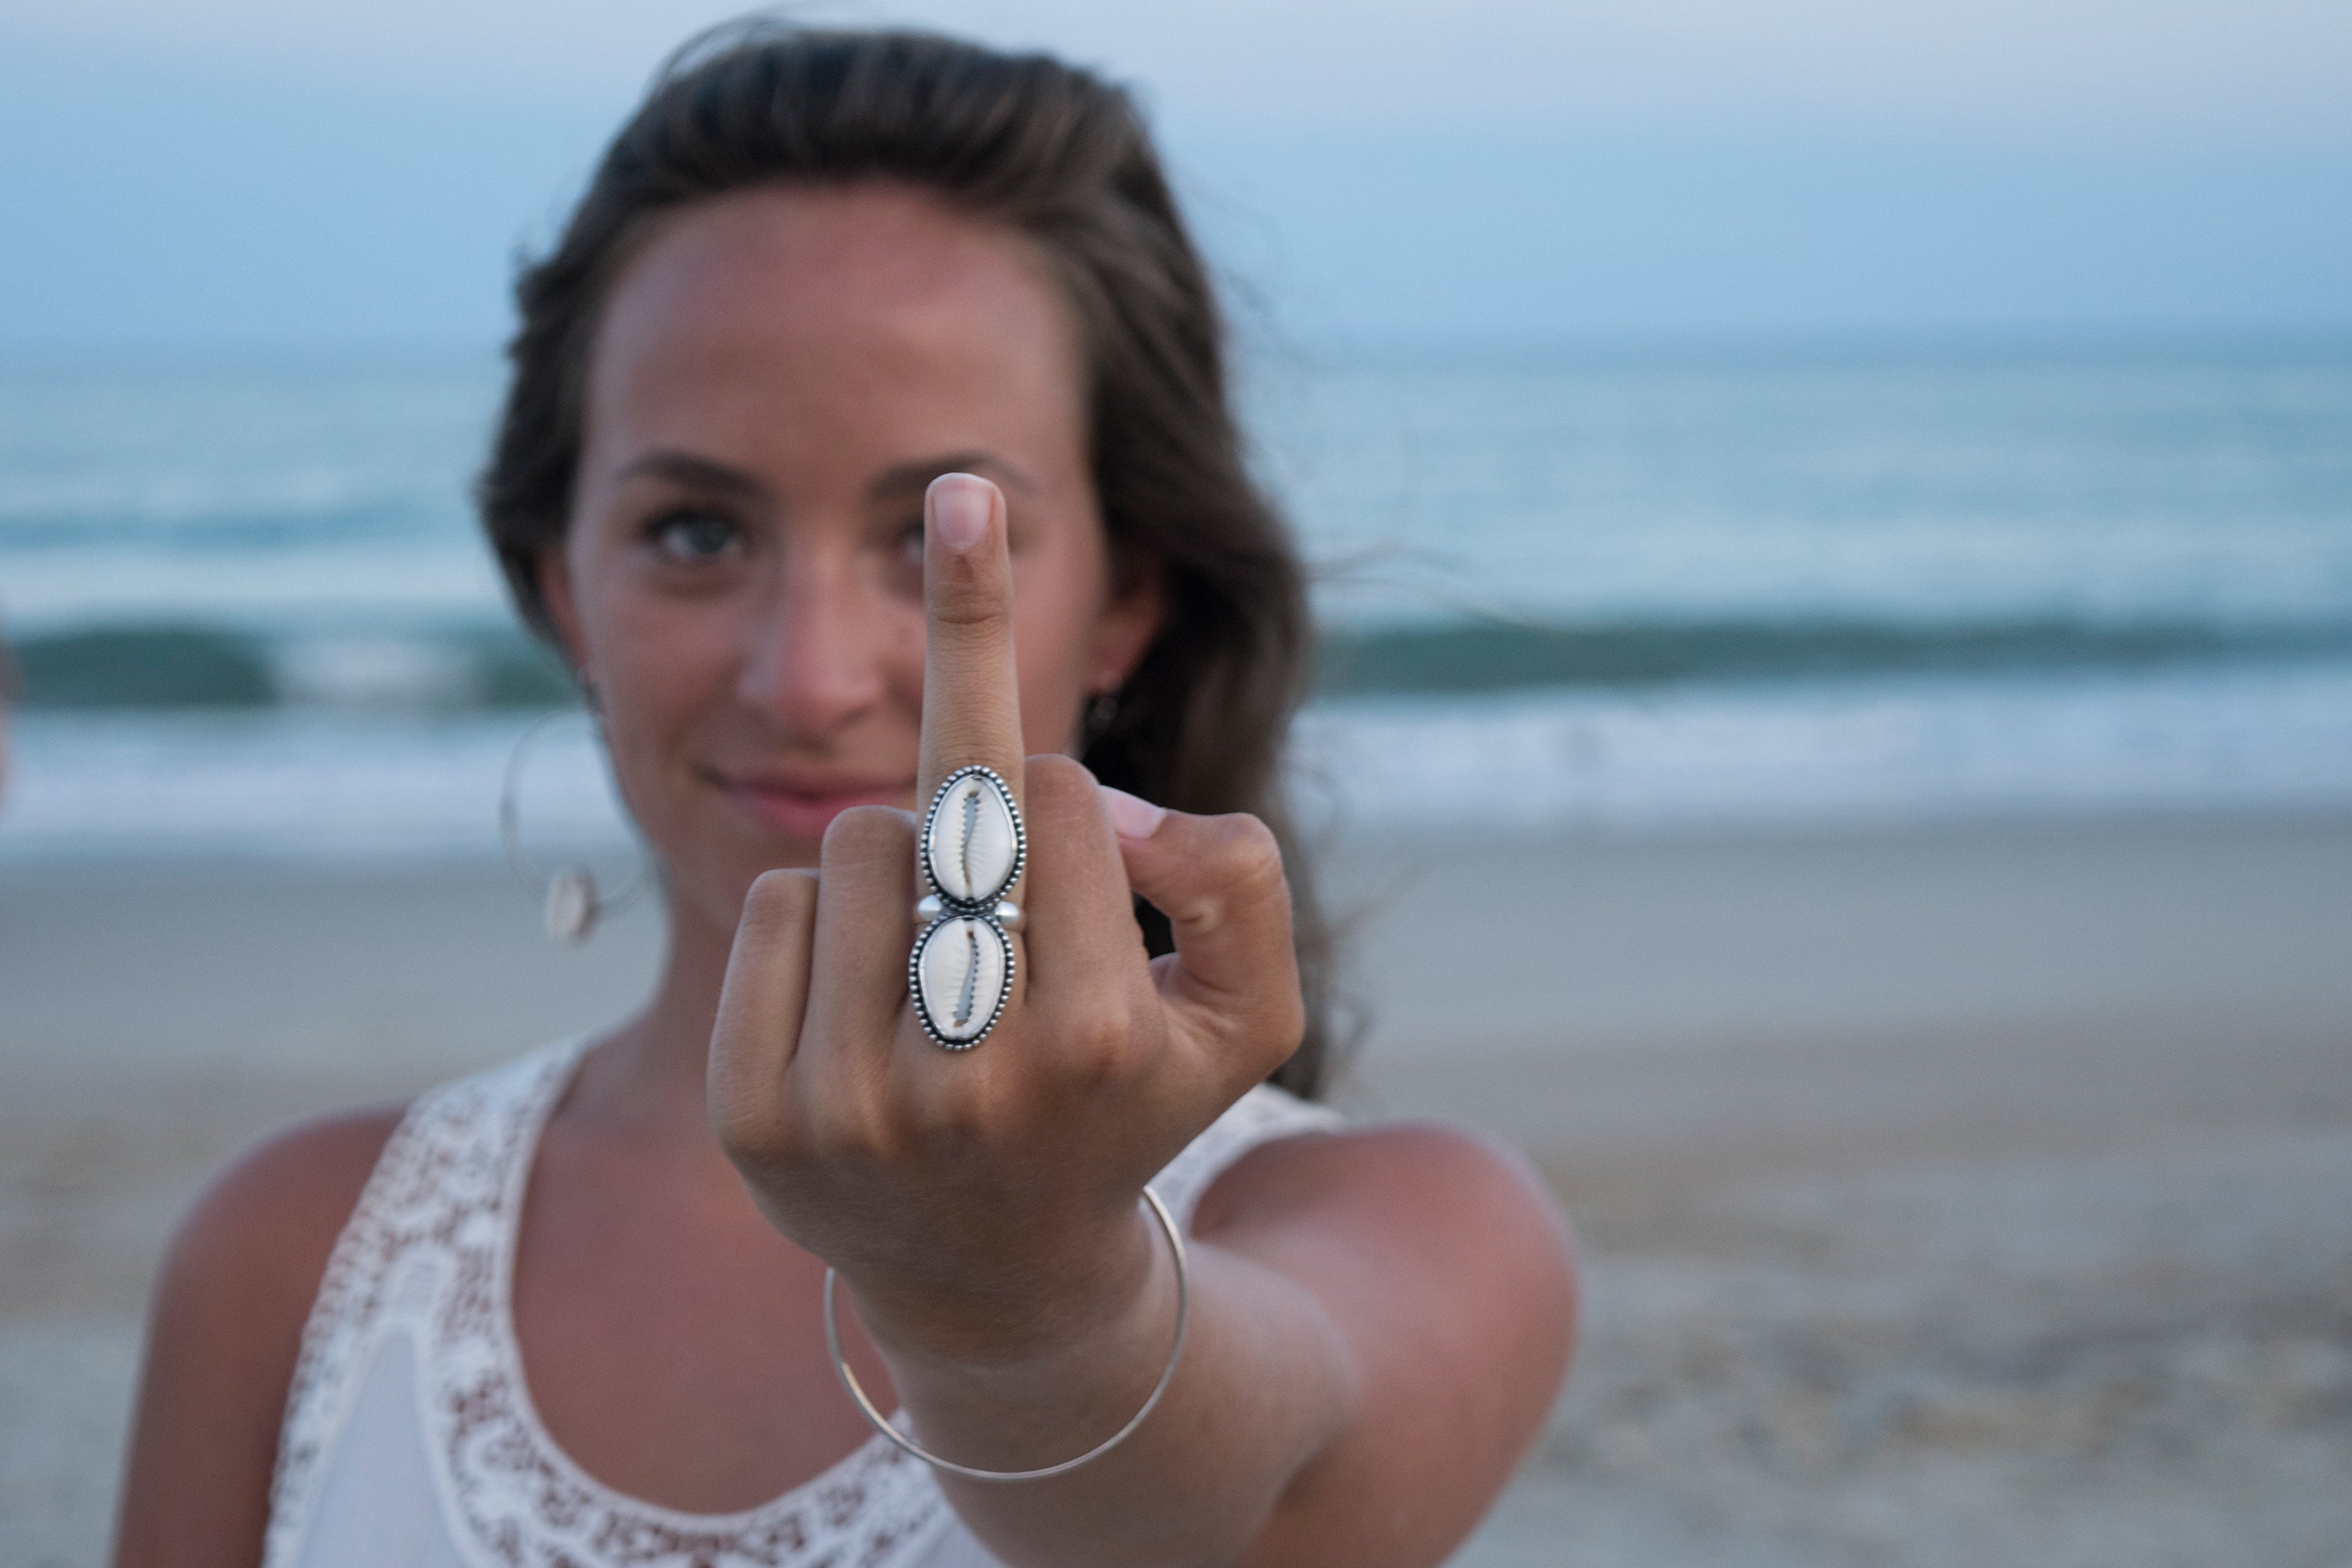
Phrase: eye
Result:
[902,565]
[690,538]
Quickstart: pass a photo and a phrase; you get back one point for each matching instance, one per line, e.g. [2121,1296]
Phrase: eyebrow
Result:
[703,473]
[917,476]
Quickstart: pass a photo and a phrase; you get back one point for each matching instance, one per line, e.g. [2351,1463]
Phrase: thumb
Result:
[1219,881]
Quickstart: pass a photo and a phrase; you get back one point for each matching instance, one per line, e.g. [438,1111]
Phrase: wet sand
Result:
[1962,1195]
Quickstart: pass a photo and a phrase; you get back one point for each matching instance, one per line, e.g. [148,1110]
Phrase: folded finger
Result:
[1219,881]
[1082,934]
[857,985]
[761,1006]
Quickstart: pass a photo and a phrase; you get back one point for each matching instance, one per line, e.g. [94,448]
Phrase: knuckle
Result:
[958,1113]
[851,1118]
[1247,857]
[1058,786]
[968,616]
[966,734]
[1057,770]
[777,897]
[866,837]
[853,1137]
[1265,1032]
[746,1123]
[1093,1043]
[750,1144]
[968,602]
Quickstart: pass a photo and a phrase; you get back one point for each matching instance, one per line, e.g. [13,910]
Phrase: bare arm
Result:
[1382,1320]
[1446,1269]
[235,1287]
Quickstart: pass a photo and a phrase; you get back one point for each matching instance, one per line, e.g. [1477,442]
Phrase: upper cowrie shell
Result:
[960,972]
[972,845]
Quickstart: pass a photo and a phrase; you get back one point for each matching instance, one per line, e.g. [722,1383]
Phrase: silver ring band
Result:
[1005,913]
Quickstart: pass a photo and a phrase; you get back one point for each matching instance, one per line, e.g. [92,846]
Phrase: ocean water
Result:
[1623,593]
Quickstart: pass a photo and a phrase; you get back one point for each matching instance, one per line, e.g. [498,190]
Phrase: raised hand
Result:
[981,1204]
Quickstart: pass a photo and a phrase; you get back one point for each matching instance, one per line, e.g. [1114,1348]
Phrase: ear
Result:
[562,609]
[1129,624]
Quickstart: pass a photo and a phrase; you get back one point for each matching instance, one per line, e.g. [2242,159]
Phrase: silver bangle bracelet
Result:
[1167,1375]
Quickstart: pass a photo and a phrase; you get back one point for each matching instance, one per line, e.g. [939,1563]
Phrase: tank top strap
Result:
[418,1253]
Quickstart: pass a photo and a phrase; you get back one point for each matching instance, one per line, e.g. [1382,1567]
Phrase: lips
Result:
[801,808]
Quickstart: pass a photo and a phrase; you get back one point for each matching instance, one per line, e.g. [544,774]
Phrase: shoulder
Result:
[1446,1184]
[255,1244]
[1445,1268]
[251,1250]
[226,1332]
[242,1270]
[293,1183]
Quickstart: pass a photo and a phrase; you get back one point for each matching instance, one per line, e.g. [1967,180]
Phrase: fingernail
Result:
[1131,817]
[959,509]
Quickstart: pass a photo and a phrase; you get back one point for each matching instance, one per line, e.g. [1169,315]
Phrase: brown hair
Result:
[1064,158]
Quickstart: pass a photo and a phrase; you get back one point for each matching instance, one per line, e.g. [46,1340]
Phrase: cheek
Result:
[660,653]
[660,665]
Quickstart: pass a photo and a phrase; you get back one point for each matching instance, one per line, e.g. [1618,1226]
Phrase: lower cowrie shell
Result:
[961,974]
[972,841]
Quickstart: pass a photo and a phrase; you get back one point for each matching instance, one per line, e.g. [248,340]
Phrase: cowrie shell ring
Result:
[972,848]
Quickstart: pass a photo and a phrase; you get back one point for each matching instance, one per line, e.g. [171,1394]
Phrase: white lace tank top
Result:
[410,1438]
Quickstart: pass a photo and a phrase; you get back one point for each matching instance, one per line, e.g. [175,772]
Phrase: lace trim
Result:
[430,1247]
[350,1306]
[1261,1115]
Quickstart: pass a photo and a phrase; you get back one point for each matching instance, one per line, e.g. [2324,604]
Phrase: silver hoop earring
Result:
[568,900]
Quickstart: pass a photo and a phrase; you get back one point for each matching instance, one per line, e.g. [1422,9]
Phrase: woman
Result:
[867,427]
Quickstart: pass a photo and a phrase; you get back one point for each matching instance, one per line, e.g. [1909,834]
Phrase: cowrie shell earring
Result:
[569,900]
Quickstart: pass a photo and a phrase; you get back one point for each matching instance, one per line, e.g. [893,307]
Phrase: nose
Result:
[820,650]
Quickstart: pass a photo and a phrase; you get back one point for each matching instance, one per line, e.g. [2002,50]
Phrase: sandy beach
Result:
[1975,1193]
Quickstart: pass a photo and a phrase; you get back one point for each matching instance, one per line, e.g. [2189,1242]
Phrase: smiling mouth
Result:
[802,812]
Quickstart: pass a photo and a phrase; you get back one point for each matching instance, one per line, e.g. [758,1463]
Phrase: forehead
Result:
[788,322]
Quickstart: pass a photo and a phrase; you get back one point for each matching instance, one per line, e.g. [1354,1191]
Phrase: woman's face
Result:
[777,376]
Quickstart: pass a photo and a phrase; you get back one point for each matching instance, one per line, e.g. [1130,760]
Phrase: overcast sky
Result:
[270,175]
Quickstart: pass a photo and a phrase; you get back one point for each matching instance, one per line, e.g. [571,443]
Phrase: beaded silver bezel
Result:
[915,980]
[1020,840]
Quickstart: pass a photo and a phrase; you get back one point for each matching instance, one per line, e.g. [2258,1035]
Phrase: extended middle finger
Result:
[971,706]
[965,972]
